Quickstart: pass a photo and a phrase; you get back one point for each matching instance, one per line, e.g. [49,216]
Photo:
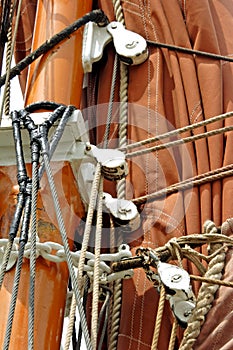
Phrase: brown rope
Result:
[197,180]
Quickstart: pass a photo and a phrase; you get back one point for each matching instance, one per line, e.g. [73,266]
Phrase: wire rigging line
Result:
[61,225]
[190,51]
[18,269]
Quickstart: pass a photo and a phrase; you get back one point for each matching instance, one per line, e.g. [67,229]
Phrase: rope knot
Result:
[175,250]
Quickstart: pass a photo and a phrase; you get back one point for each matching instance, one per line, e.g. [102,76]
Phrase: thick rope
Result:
[6,101]
[121,185]
[66,248]
[5,260]
[88,226]
[86,237]
[173,335]
[176,132]
[159,317]
[7,76]
[201,179]
[95,295]
[180,141]
[205,297]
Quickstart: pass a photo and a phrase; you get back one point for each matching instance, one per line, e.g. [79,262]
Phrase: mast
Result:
[56,77]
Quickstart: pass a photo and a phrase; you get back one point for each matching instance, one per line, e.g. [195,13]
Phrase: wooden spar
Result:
[56,77]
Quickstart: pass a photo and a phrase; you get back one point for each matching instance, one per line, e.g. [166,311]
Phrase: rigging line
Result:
[33,239]
[96,16]
[180,141]
[88,226]
[19,264]
[85,296]
[8,64]
[86,236]
[95,295]
[190,51]
[7,75]
[105,308]
[177,131]
[111,99]
[201,179]
[22,180]
[159,316]
[58,133]
[35,153]
[65,243]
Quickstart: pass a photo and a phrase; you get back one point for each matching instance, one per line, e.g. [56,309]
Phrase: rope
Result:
[7,75]
[121,185]
[176,132]
[201,179]
[104,327]
[111,99]
[95,296]
[191,51]
[204,299]
[96,16]
[5,260]
[159,316]
[180,141]
[66,247]
[70,326]
[173,335]
[13,298]
[33,239]
[6,101]
[86,235]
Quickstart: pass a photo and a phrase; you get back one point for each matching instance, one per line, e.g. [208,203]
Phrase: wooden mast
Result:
[56,77]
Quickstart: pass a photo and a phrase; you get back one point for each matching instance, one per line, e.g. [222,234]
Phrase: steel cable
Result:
[65,244]
[18,269]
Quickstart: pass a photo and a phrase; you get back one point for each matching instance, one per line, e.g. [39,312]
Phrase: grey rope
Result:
[105,308]
[66,247]
[33,239]
[13,298]
[111,100]
[191,51]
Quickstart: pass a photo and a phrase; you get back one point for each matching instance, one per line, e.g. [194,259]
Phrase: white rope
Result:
[10,58]
[176,132]
[121,186]
[205,295]
[87,231]
[95,296]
